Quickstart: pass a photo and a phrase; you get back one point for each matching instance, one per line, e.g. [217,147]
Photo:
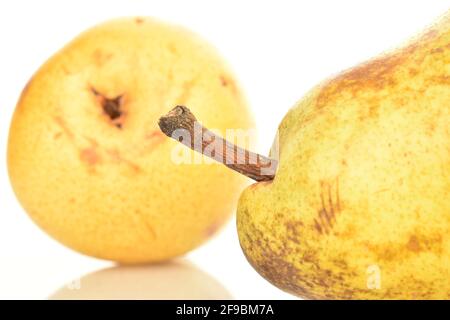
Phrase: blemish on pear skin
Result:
[330,206]
[413,72]
[173,50]
[223,81]
[278,271]
[437,50]
[57,135]
[66,70]
[413,244]
[100,57]
[382,190]
[375,74]
[430,35]
[116,156]
[154,134]
[440,80]
[187,88]
[155,137]
[431,128]
[139,20]
[89,156]
[273,263]
[317,226]
[349,232]
[151,231]
[228,83]
[92,141]
[63,125]
[152,140]
[293,230]
[430,243]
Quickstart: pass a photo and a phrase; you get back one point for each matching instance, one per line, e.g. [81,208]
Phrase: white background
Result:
[278,49]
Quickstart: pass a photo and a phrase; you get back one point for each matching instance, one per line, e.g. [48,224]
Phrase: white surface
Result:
[278,49]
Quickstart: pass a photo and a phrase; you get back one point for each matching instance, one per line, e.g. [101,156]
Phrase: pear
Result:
[358,207]
[87,160]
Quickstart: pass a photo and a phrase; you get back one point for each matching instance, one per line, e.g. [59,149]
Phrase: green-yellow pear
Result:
[86,158]
[359,206]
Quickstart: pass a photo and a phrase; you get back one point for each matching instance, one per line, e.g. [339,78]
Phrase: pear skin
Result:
[86,158]
[359,206]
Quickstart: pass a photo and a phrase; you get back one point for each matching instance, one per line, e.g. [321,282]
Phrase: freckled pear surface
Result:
[86,157]
[359,207]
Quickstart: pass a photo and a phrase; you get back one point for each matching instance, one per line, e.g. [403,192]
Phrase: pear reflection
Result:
[172,280]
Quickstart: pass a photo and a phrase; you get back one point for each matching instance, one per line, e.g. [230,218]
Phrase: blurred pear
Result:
[172,280]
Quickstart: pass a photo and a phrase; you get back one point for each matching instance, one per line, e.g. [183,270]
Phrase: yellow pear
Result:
[87,161]
[359,207]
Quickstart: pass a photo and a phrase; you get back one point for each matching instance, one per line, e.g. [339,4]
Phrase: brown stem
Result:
[180,124]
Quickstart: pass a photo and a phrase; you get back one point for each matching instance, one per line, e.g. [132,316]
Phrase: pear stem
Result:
[181,125]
